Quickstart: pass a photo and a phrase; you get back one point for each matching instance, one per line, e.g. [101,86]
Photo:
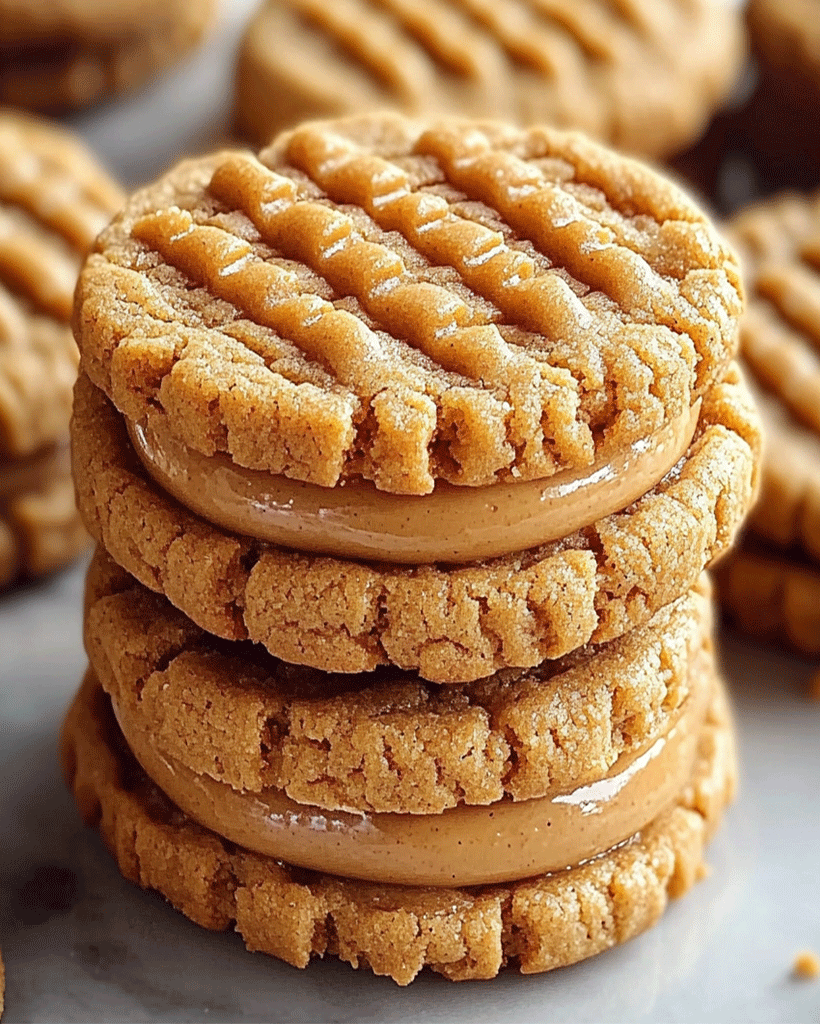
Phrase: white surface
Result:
[81,944]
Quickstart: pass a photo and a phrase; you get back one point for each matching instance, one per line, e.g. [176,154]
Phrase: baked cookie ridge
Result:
[462,933]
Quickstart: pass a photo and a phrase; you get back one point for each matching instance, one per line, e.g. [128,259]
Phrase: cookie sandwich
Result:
[405,446]
[63,56]
[54,199]
[644,77]
[771,586]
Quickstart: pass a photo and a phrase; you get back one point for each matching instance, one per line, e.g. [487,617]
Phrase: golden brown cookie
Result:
[414,318]
[385,741]
[771,587]
[293,914]
[62,56]
[772,596]
[54,198]
[645,77]
[407,303]
[40,529]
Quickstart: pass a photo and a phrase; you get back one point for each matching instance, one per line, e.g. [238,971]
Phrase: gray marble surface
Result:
[81,944]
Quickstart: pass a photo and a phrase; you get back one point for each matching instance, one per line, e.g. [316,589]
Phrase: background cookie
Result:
[54,199]
[386,741]
[61,56]
[462,933]
[770,586]
[644,77]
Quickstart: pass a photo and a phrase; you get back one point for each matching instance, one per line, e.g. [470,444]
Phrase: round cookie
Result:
[57,57]
[770,586]
[644,77]
[54,199]
[373,303]
[535,925]
[452,624]
[386,741]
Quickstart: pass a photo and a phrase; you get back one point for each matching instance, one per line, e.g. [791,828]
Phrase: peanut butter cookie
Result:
[387,741]
[467,387]
[54,199]
[463,932]
[451,624]
[62,56]
[780,241]
[643,76]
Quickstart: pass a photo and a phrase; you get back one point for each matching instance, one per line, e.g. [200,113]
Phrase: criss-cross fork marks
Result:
[53,203]
[781,334]
[466,292]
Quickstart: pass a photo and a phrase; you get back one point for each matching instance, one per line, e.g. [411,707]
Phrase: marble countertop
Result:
[81,944]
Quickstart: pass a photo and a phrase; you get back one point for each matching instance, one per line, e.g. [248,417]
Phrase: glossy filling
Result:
[464,846]
[453,524]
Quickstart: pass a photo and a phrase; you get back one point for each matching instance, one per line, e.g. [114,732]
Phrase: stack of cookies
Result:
[405,446]
[54,199]
[771,587]
[645,77]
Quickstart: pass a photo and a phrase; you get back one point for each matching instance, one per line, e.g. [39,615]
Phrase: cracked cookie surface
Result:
[449,624]
[404,302]
[582,65]
[386,741]
[534,925]
[62,56]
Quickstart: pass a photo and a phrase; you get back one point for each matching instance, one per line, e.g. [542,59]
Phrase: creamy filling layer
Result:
[464,846]
[453,524]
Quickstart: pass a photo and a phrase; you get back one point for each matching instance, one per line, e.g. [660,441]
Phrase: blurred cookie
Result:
[62,56]
[428,327]
[771,586]
[54,199]
[394,929]
[645,77]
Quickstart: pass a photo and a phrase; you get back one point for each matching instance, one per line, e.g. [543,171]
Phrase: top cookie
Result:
[65,54]
[54,199]
[406,302]
[644,76]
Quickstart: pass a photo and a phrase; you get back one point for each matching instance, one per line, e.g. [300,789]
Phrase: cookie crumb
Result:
[704,871]
[806,965]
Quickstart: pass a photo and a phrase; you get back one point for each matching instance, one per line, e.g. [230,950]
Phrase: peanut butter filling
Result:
[452,524]
[467,845]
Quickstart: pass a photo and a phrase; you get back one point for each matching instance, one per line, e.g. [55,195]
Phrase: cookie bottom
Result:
[536,924]
[40,532]
[772,597]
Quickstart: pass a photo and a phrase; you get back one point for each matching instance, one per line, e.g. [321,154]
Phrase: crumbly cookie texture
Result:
[406,302]
[54,199]
[534,925]
[60,57]
[772,597]
[645,77]
[449,624]
[780,241]
[386,742]
[40,530]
